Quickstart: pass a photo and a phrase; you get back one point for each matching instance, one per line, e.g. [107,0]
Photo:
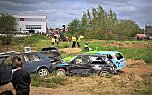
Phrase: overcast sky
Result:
[61,12]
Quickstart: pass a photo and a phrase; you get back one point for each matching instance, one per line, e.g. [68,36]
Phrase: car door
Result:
[97,63]
[31,62]
[78,66]
[6,69]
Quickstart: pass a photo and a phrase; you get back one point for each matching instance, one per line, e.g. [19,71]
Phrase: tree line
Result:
[7,28]
[99,24]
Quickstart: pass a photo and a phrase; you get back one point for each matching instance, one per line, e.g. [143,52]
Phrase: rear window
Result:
[118,56]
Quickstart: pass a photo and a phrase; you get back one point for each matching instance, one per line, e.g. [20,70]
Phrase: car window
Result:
[1,60]
[17,59]
[27,59]
[97,60]
[118,56]
[94,58]
[9,63]
[34,57]
[109,56]
[78,60]
[73,58]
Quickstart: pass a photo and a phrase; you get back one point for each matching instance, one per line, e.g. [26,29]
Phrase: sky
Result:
[61,12]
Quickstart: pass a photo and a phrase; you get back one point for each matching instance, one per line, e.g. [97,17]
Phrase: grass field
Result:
[136,78]
[136,50]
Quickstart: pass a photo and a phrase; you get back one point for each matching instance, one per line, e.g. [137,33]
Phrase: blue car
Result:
[33,62]
[116,57]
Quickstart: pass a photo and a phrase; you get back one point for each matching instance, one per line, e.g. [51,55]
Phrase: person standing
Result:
[21,80]
[73,41]
[53,40]
[56,39]
[78,41]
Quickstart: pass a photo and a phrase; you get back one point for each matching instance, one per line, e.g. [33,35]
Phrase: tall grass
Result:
[128,84]
[50,81]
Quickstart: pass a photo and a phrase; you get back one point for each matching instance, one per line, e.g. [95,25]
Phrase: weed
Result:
[51,81]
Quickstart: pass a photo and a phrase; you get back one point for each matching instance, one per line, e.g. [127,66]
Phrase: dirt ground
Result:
[43,91]
[71,50]
[137,67]
[130,45]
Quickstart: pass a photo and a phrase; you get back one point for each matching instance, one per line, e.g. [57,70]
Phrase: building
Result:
[31,23]
[148,30]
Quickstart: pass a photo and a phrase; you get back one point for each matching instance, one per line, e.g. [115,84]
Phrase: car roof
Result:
[5,53]
[91,55]
[3,56]
[102,52]
[49,48]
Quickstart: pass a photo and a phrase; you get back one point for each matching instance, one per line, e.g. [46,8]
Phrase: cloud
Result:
[63,11]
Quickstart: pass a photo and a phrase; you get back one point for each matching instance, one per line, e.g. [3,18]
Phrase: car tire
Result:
[42,72]
[60,72]
[104,74]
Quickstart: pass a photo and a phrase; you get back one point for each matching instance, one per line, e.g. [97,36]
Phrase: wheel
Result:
[104,74]
[114,70]
[43,72]
[61,72]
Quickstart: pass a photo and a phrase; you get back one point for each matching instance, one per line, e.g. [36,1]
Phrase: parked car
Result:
[115,57]
[85,64]
[52,52]
[33,62]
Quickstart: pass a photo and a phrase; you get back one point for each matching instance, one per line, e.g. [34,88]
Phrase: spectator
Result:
[53,40]
[21,80]
[78,41]
[73,41]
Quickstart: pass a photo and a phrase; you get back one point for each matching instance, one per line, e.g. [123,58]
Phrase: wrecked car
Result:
[115,57]
[33,62]
[52,52]
[86,64]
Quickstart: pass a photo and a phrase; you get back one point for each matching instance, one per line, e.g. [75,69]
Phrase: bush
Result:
[6,40]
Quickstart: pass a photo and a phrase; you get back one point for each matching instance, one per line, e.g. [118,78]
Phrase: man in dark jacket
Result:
[21,80]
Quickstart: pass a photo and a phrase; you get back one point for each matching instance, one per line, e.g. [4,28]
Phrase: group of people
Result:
[75,41]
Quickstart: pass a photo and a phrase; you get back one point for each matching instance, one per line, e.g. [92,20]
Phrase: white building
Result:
[31,23]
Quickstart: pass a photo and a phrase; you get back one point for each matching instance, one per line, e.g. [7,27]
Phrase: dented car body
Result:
[114,56]
[85,64]
[33,62]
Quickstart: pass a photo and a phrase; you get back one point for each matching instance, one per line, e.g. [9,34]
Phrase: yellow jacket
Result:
[74,39]
[53,40]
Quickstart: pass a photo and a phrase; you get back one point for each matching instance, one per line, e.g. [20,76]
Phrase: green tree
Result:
[99,24]
[74,27]
[7,28]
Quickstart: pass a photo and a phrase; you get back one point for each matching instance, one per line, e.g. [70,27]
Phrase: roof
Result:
[90,55]
[3,56]
[102,52]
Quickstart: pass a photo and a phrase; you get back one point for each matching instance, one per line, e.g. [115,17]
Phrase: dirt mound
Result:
[71,50]
[130,45]
[130,62]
